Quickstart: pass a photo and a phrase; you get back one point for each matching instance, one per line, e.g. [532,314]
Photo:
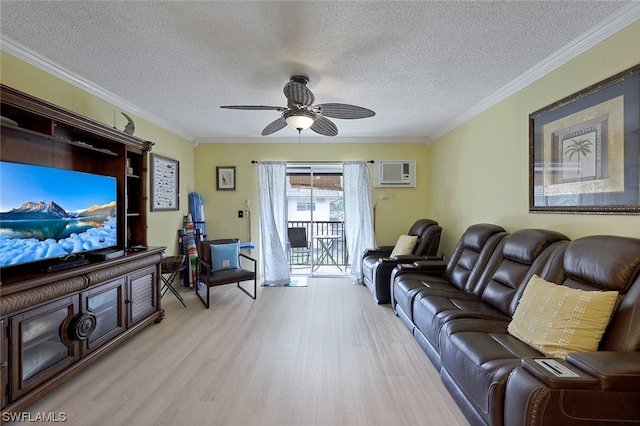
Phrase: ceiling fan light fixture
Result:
[301,113]
[299,120]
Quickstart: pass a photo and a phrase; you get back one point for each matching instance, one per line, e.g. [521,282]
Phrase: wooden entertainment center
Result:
[54,324]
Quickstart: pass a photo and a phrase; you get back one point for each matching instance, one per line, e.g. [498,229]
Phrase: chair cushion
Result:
[405,245]
[228,276]
[558,320]
[224,256]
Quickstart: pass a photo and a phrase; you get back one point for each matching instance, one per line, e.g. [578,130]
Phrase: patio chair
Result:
[298,246]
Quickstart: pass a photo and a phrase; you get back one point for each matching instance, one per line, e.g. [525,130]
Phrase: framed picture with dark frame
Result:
[165,186]
[226,178]
[584,150]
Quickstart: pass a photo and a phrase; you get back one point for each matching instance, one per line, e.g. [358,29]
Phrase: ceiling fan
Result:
[300,112]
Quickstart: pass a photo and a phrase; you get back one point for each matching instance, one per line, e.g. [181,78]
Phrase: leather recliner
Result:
[462,271]
[493,376]
[377,264]
[492,368]
[494,296]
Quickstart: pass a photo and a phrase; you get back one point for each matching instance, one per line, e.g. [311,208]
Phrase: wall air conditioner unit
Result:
[395,173]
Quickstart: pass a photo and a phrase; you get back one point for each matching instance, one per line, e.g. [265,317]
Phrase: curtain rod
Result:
[313,162]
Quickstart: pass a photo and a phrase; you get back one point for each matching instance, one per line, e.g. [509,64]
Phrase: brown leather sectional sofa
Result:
[459,312]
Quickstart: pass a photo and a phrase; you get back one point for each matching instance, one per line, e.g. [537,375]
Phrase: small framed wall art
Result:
[584,150]
[165,188]
[226,178]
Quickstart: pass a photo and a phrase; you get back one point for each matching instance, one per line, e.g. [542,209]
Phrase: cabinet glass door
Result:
[4,363]
[41,342]
[43,347]
[106,302]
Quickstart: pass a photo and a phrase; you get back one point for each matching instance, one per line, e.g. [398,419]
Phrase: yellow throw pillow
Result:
[405,245]
[558,320]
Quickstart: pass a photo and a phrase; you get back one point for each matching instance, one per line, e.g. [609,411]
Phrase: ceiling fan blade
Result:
[299,94]
[344,111]
[274,126]
[255,107]
[324,126]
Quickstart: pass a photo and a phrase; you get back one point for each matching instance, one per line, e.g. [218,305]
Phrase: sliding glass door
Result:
[315,219]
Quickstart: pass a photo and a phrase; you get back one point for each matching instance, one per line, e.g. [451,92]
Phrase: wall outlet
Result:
[240,213]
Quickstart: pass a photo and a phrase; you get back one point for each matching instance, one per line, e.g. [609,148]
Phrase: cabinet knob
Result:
[82,327]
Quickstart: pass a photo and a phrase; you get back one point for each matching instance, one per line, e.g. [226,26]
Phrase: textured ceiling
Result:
[419,65]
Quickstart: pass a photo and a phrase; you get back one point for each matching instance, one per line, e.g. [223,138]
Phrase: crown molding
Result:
[619,20]
[27,55]
[307,140]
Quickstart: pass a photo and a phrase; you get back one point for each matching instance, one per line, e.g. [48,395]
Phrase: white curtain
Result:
[358,209]
[273,221]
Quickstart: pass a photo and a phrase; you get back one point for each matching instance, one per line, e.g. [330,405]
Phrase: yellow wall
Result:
[163,226]
[394,215]
[480,170]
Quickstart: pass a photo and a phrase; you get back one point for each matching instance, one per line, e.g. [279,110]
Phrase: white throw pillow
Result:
[405,245]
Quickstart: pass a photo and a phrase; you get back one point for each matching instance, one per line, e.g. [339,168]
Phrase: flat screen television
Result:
[48,213]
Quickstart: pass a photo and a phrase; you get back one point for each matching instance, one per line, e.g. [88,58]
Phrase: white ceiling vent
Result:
[395,173]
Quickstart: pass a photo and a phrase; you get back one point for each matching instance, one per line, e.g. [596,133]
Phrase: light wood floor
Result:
[325,354]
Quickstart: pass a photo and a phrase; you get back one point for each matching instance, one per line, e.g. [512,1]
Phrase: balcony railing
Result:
[336,248]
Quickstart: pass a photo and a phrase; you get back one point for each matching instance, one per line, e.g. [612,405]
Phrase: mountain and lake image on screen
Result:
[50,213]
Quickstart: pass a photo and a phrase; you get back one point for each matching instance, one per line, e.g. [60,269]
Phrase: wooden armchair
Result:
[220,262]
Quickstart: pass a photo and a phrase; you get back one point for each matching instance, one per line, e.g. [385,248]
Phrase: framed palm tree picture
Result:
[584,150]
